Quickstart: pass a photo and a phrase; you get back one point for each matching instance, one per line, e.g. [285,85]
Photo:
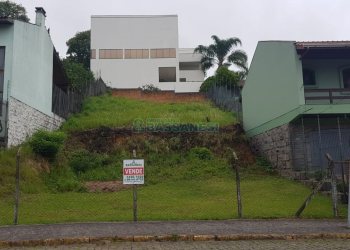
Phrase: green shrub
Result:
[83,160]
[47,144]
[77,74]
[265,164]
[201,153]
[223,77]
[62,179]
[150,88]
[207,84]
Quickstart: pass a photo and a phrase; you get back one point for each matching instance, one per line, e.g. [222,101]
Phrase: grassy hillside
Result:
[110,111]
[187,175]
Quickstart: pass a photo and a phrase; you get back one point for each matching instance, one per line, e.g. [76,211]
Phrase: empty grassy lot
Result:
[179,185]
[110,111]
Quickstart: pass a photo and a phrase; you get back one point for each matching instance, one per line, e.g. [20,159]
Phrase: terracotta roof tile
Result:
[322,44]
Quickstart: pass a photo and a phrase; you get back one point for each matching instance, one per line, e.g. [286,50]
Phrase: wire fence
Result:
[313,136]
[188,198]
[227,97]
[66,103]
[219,198]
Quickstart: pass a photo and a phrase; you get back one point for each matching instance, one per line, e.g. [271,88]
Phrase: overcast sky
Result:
[249,20]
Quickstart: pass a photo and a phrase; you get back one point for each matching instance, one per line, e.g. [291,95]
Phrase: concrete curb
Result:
[182,237]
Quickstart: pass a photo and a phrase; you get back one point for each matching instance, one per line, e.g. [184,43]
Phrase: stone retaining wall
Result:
[24,120]
[275,146]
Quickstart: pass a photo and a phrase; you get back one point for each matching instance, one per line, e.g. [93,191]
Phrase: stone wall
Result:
[275,146]
[24,120]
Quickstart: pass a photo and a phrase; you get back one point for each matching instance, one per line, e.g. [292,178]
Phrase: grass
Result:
[262,197]
[186,178]
[110,111]
[31,169]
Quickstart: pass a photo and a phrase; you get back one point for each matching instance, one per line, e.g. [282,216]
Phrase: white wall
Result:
[133,32]
[131,73]
[192,75]
[187,55]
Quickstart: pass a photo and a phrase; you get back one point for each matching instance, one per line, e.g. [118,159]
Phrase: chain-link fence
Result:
[227,97]
[313,136]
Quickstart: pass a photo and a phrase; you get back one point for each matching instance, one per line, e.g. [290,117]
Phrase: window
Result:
[93,54]
[309,77]
[189,66]
[346,78]
[167,74]
[111,54]
[163,53]
[182,79]
[136,53]
[2,69]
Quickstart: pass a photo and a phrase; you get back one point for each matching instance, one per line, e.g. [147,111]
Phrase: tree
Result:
[77,74]
[221,53]
[14,11]
[79,48]
[223,77]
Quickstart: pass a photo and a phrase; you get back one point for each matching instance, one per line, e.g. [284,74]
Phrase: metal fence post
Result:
[238,185]
[18,157]
[134,189]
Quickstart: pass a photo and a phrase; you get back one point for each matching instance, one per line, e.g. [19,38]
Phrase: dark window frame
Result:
[159,74]
[309,77]
[343,79]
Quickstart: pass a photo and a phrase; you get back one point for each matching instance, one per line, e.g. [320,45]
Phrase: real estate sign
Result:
[133,171]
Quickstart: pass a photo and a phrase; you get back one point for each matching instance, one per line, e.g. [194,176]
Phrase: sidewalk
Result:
[57,234]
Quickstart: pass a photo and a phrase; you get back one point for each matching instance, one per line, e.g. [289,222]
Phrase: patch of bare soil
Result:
[105,186]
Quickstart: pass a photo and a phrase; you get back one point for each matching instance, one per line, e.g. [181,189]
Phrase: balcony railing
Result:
[327,96]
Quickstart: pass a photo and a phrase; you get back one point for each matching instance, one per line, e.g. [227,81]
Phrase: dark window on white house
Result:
[2,68]
[167,74]
[309,77]
[189,66]
[346,78]
[182,79]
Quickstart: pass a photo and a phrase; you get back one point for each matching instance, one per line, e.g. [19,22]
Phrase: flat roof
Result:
[131,16]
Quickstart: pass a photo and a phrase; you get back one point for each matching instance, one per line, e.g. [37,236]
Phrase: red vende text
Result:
[133,171]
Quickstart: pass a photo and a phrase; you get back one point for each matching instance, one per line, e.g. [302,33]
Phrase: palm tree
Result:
[221,53]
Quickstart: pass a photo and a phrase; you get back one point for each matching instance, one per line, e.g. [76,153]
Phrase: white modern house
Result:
[128,52]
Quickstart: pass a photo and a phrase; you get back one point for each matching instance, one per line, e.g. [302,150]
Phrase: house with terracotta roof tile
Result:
[296,104]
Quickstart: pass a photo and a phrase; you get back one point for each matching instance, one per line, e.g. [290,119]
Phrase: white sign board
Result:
[133,171]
